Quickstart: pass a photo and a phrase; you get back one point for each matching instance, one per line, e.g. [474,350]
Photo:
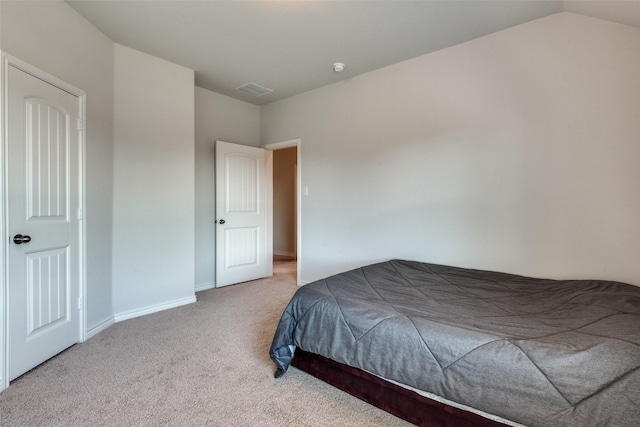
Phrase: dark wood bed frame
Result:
[387,396]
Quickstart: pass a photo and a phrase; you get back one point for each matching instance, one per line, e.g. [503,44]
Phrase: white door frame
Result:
[6,61]
[278,146]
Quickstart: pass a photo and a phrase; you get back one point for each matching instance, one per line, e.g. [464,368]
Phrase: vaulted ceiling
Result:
[290,46]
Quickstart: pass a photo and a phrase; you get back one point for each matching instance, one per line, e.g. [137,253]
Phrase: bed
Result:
[504,348]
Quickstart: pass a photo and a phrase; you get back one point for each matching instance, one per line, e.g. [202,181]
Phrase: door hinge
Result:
[79,213]
[79,303]
[79,124]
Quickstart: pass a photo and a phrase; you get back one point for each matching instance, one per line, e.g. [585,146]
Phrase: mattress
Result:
[533,351]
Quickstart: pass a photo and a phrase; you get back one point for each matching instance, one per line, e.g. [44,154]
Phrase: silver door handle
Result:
[19,239]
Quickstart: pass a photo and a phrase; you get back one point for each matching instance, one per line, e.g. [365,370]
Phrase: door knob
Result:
[221,221]
[19,239]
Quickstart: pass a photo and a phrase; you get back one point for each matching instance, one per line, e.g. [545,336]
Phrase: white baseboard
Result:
[205,286]
[100,327]
[302,282]
[119,317]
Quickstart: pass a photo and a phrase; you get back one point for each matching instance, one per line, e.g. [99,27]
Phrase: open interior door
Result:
[242,217]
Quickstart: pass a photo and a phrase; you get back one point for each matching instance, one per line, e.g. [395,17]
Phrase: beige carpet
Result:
[204,364]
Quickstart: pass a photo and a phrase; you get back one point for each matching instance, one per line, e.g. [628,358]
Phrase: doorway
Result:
[286,215]
[284,203]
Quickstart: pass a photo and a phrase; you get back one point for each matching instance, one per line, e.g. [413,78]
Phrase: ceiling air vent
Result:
[254,89]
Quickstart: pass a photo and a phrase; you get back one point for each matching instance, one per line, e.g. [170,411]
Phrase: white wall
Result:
[56,39]
[515,152]
[217,117]
[153,207]
[284,201]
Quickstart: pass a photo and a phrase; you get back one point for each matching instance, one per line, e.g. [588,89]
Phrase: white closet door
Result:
[44,229]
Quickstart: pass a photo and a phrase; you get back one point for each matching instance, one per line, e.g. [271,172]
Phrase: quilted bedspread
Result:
[534,351]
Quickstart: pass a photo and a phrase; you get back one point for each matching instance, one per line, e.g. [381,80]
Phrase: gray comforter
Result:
[534,351]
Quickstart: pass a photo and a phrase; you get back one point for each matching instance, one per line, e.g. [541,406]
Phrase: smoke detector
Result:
[339,67]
